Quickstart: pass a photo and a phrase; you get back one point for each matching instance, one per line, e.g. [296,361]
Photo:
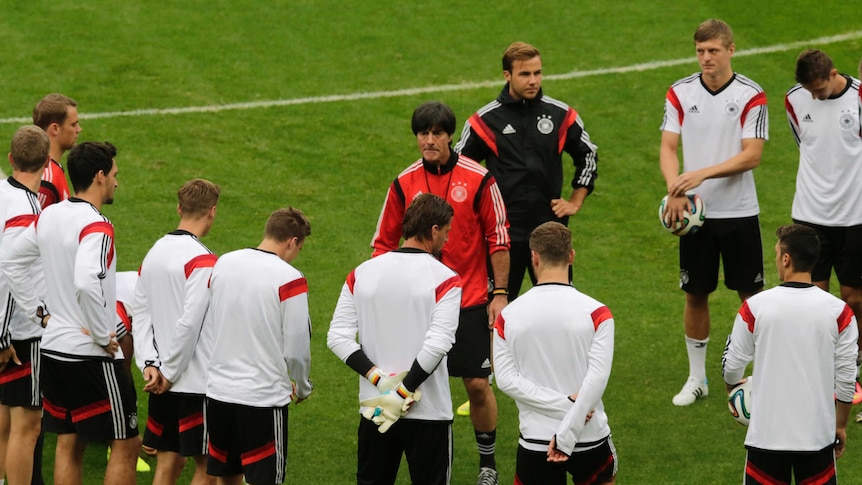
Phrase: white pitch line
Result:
[445,87]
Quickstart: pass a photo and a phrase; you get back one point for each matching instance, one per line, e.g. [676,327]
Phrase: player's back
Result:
[18,209]
[76,276]
[248,365]
[163,278]
[550,328]
[796,336]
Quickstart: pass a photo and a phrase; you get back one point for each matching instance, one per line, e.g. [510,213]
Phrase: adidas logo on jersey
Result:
[807,119]
[486,364]
[508,130]
[693,109]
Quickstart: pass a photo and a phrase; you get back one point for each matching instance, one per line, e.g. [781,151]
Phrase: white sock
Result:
[696,357]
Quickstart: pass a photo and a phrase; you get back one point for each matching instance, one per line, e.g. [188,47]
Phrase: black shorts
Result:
[94,399]
[427,445]
[471,354]
[176,423]
[19,384]
[595,465]
[736,242]
[840,248]
[247,440]
[762,466]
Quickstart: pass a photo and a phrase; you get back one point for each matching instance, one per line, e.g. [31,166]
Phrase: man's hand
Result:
[153,378]
[495,306]
[563,208]
[673,211]
[7,356]
[112,347]
[685,182]
[554,455]
[384,380]
[387,408]
[840,442]
[293,397]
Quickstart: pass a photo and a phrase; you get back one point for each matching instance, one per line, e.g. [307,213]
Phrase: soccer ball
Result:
[692,219]
[739,402]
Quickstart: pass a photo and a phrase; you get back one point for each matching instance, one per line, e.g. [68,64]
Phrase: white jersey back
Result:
[550,343]
[803,344]
[712,126]
[404,306]
[18,209]
[829,135]
[171,301]
[259,310]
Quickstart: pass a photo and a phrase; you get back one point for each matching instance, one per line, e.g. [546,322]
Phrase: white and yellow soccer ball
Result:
[739,402]
[692,219]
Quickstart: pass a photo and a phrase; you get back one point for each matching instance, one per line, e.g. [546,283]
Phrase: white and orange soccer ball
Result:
[692,219]
[739,402]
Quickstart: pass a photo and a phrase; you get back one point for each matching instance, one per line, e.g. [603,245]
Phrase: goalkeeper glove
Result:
[387,408]
[385,382]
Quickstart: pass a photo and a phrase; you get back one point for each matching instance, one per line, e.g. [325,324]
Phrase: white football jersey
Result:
[829,136]
[712,126]
[803,344]
[550,343]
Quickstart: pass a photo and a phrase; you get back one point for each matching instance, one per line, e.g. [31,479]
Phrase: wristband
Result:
[500,291]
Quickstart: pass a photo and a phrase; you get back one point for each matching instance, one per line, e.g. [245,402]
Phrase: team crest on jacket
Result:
[545,125]
[458,193]
[731,109]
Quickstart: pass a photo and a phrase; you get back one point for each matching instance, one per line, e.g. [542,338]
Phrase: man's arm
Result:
[187,330]
[496,228]
[143,337]
[18,251]
[91,264]
[585,157]
[739,348]
[747,159]
[296,324]
[595,382]
[388,232]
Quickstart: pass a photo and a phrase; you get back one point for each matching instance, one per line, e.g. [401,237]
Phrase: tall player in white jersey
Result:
[722,119]
[803,344]
[173,341]
[20,335]
[87,394]
[403,306]
[823,112]
[553,350]
[262,354]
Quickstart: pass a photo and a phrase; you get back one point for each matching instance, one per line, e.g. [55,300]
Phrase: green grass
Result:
[335,160]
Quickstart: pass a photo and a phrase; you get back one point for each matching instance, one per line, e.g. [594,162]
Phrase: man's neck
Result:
[198,227]
[554,274]
[415,243]
[56,153]
[92,197]
[714,83]
[794,277]
[29,180]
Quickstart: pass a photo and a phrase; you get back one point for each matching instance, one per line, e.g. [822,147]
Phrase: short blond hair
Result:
[714,29]
[29,149]
[552,241]
[287,223]
[518,51]
[197,196]
[53,108]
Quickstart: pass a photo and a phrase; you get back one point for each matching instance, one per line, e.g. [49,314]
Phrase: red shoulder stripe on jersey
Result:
[295,287]
[484,133]
[351,280]
[500,326]
[444,287]
[600,315]
[139,270]
[202,261]
[568,121]
[124,316]
[105,228]
[759,99]
[23,220]
[790,110]
[674,100]
[261,453]
[845,318]
[747,316]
